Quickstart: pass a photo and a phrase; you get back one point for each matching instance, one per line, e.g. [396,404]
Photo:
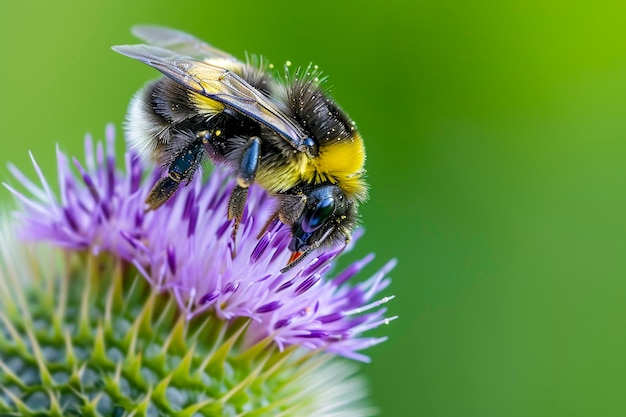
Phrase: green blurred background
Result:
[496,145]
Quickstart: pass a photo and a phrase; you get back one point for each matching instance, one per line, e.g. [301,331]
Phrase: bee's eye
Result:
[316,217]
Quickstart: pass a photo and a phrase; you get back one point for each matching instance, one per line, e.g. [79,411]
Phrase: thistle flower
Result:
[118,310]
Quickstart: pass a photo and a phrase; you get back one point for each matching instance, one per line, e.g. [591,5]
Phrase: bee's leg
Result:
[246,172]
[162,190]
[291,208]
[236,204]
[249,163]
[269,224]
[182,168]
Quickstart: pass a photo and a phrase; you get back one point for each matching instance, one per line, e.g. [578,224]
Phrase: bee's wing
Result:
[179,42]
[221,85]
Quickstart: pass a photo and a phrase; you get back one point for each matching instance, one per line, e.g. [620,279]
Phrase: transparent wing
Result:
[179,42]
[219,84]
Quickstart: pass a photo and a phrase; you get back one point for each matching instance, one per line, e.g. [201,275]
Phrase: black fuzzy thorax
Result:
[311,106]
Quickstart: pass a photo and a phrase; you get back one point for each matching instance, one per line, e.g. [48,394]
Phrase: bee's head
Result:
[327,219]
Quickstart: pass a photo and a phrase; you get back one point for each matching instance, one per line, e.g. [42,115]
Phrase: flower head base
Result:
[264,319]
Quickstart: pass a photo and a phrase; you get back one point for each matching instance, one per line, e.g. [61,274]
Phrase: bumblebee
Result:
[287,135]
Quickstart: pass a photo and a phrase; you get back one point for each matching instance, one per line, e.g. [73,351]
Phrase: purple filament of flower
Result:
[307,284]
[315,334]
[186,247]
[260,248]
[171,259]
[230,287]
[282,323]
[331,317]
[264,278]
[285,285]
[193,220]
[207,298]
[269,307]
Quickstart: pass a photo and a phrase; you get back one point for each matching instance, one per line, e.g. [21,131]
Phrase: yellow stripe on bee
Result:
[341,163]
[338,163]
[342,158]
[204,104]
